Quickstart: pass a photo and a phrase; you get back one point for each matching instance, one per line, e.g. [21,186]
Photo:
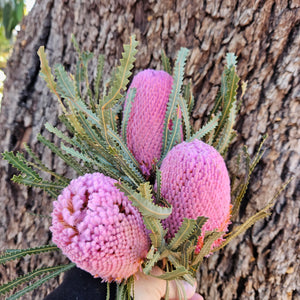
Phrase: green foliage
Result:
[225,102]
[15,254]
[94,143]
[172,135]
[166,62]
[41,281]
[5,288]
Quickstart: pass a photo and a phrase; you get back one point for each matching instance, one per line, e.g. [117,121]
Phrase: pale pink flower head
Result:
[145,124]
[97,228]
[195,181]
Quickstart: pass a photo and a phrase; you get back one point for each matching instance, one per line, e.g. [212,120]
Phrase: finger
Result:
[196,297]
[148,287]
[180,288]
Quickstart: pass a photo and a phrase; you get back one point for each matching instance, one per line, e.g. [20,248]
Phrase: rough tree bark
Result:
[263,263]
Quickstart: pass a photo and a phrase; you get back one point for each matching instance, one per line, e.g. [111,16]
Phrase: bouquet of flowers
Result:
[150,191]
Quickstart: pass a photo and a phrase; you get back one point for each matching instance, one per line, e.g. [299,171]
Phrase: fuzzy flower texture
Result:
[196,183]
[97,228]
[146,121]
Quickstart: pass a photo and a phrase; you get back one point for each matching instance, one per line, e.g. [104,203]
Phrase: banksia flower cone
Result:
[195,181]
[97,228]
[145,124]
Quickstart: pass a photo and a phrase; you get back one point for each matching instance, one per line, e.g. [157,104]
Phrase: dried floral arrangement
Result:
[150,191]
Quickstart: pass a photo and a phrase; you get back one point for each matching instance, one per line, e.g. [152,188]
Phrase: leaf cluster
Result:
[94,142]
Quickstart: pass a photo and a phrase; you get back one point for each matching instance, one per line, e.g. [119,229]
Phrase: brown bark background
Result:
[264,262]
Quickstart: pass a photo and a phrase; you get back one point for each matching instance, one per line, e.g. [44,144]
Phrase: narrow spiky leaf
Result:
[158,184]
[150,263]
[226,135]
[127,110]
[209,239]
[40,281]
[157,231]
[188,96]
[228,95]
[178,272]
[97,81]
[207,128]
[19,162]
[146,208]
[122,74]
[23,252]
[186,118]
[247,224]
[146,190]
[66,158]
[65,85]
[174,137]
[46,74]
[185,231]
[40,166]
[52,188]
[5,288]
[166,62]
[127,154]
[174,96]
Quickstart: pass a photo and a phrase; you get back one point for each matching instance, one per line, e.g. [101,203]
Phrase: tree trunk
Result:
[264,262]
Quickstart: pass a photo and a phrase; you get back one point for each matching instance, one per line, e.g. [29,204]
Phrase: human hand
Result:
[147,287]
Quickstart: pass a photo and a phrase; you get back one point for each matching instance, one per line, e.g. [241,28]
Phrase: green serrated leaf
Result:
[174,96]
[158,184]
[186,117]
[247,224]
[20,253]
[188,96]
[226,134]
[46,74]
[66,158]
[40,281]
[229,87]
[65,85]
[122,74]
[58,133]
[175,274]
[40,166]
[19,162]
[185,231]
[146,208]
[150,263]
[157,232]
[177,264]
[166,62]
[174,136]
[97,81]
[52,188]
[146,190]
[5,288]
[207,128]
[231,60]
[125,151]
[209,239]
[126,112]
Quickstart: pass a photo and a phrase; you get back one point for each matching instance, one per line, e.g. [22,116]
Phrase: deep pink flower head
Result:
[96,227]
[145,124]
[195,181]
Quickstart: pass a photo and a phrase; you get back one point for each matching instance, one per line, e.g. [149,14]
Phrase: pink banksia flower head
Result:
[195,181]
[97,228]
[146,121]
